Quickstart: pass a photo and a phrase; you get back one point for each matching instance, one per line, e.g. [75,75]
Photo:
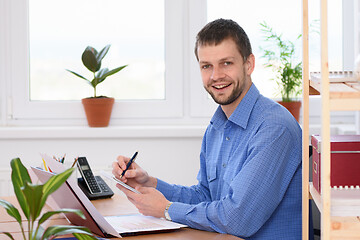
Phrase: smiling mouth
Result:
[221,86]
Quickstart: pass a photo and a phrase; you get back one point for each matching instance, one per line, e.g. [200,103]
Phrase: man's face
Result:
[223,72]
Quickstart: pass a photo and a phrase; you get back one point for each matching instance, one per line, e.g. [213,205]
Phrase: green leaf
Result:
[109,73]
[48,214]
[7,234]
[84,236]
[11,210]
[59,230]
[78,75]
[38,233]
[53,184]
[102,53]
[20,176]
[280,58]
[95,82]
[33,194]
[100,76]
[89,59]
[102,72]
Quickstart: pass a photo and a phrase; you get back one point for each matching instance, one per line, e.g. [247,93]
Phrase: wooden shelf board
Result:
[339,90]
[345,228]
[344,96]
[344,203]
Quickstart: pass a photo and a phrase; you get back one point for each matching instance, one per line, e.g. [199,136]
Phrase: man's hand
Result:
[135,176]
[150,202]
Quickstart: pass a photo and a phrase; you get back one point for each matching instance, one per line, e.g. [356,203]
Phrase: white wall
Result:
[171,154]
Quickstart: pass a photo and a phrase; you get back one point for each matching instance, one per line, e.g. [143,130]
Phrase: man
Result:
[249,183]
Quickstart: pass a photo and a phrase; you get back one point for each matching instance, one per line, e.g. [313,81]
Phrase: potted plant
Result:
[280,56]
[97,108]
[32,198]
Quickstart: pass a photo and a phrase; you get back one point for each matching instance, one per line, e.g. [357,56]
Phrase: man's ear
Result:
[250,64]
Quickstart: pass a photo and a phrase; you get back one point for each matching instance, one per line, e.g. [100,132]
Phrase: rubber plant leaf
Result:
[102,53]
[111,72]
[89,59]
[101,76]
[78,75]
[19,177]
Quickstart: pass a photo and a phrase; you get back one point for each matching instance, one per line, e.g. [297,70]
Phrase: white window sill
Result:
[107,132]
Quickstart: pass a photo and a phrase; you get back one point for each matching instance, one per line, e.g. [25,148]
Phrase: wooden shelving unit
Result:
[344,95]
[339,209]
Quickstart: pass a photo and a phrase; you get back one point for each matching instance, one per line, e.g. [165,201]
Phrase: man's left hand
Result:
[150,202]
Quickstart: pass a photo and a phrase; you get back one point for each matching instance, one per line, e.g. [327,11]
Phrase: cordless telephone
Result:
[94,187]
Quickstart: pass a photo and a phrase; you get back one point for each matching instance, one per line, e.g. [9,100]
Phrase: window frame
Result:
[201,105]
[72,111]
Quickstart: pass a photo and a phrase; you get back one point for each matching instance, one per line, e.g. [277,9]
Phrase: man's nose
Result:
[217,73]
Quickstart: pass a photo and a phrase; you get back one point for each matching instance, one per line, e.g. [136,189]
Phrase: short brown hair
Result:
[218,30]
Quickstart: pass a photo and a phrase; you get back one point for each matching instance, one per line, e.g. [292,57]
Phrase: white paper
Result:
[138,222]
[113,178]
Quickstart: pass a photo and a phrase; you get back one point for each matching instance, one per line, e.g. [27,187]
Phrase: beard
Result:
[239,87]
[230,99]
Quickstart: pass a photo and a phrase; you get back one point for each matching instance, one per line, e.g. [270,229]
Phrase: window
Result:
[57,44]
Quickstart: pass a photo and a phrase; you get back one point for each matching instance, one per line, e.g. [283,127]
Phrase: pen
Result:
[74,162]
[129,163]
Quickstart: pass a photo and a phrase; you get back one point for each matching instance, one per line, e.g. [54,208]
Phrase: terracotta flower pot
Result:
[98,110]
[293,107]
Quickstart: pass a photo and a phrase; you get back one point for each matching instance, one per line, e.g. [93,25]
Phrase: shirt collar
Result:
[242,112]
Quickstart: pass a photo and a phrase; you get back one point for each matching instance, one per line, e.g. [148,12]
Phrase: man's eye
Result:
[227,63]
[205,66]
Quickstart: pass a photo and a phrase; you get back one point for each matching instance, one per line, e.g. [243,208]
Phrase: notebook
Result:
[69,195]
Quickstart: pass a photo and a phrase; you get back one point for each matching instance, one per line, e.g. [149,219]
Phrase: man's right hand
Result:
[135,176]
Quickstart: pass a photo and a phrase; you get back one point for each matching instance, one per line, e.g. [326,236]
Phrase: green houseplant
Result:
[97,108]
[32,198]
[280,55]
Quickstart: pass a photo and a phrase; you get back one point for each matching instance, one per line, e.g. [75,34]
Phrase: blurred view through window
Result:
[61,30]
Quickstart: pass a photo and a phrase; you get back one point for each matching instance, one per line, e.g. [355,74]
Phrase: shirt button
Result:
[224,165]
[227,138]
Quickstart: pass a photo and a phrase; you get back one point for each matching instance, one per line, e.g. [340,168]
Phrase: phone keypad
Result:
[93,185]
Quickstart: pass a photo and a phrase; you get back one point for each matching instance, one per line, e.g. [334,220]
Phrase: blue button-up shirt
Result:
[249,182]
